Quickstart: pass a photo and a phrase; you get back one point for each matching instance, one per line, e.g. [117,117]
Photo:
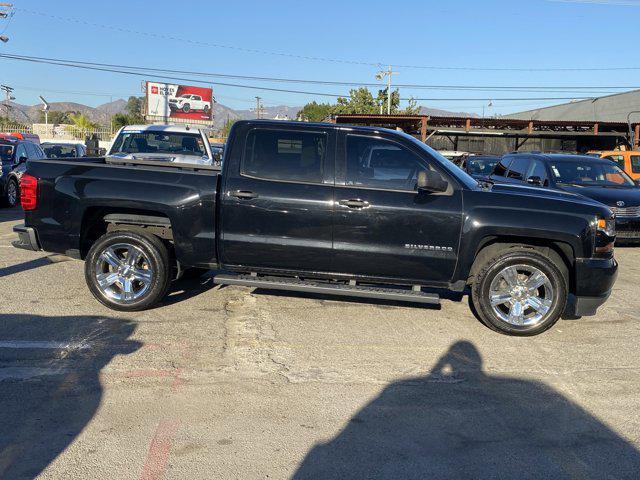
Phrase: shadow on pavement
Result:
[24,266]
[49,394]
[459,422]
[11,214]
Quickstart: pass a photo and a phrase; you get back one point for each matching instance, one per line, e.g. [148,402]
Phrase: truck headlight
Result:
[605,235]
[607,226]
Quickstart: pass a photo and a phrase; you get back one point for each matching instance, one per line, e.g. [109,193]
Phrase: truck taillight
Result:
[28,192]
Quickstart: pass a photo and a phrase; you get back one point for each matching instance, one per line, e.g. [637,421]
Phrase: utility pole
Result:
[5,12]
[8,97]
[259,109]
[387,73]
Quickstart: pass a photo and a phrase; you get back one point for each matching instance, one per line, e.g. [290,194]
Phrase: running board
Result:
[339,289]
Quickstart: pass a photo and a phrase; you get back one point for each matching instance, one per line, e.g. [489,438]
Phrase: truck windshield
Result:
[590,174]
[176,143]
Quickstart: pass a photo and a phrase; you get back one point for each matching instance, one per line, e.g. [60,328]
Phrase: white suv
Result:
[188,102]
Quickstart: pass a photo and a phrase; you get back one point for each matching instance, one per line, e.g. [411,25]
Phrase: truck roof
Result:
[160,128]
[317,124]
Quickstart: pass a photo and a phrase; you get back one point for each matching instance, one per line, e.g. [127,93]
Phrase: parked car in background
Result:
[595,178]
[628,160]
[364,212]
[217,150]
[479,166]
[189,102]
[14,153]
[162,143]
[64,150]
[452,155]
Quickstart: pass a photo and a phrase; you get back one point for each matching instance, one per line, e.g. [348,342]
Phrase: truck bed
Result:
[91,188]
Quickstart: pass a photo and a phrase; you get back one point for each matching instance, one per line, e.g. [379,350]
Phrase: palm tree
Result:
[81,125]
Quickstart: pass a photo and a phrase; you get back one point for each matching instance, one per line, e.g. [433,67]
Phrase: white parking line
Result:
[44,344]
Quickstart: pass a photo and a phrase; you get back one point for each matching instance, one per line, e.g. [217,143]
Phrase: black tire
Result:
[519,256]
[155,256]
[10,200]
[186,108]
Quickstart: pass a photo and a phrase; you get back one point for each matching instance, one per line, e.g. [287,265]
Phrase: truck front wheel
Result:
[519,292]
[128,271]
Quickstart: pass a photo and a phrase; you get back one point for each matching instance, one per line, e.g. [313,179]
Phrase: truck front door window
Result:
[381,164]
[635,164]
[285,155]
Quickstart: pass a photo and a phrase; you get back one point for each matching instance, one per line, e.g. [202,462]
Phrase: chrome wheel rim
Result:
[521,295]
[123,272]
[12,193]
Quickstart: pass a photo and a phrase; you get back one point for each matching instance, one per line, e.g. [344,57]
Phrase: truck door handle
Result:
[244,194]
[355,203]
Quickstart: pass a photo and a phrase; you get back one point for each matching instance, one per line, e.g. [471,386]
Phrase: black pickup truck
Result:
[327,209]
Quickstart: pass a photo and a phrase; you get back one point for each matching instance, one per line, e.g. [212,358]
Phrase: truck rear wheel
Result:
[519,292]
[128,271]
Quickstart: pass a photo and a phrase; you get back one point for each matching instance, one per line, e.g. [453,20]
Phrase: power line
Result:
[317,58]
[515,88]
[129,71]
[152,70]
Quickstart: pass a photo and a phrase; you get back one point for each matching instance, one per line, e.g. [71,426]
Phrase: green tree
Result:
[82,122]
[134,109]
[360,101]
[315,112]
[226,128]
[80,125]
[55,117]
[120,120]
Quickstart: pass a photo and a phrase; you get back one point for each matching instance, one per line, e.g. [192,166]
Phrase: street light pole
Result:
[387,73]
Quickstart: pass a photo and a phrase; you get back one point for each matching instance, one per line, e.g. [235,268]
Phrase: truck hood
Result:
[163,157]
[539,192]
[610,196]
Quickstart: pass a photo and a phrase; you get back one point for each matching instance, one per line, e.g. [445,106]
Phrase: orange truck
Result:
[628,160]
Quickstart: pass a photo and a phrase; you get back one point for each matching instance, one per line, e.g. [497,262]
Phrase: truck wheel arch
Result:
[561,253]
[98,221]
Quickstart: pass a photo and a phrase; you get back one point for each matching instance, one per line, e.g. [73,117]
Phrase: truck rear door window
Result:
[285,155]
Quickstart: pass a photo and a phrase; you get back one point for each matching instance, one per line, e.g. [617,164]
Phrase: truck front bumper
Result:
[27,238]
[594,281]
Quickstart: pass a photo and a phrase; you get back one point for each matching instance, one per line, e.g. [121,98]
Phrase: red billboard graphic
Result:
[179,101]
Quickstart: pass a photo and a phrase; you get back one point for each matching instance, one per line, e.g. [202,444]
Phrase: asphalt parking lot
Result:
[242,384]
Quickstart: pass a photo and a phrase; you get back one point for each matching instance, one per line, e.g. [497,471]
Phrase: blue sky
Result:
[463,33]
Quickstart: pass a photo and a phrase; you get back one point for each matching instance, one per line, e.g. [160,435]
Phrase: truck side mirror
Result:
[22,159]
[537,181]
[431,182]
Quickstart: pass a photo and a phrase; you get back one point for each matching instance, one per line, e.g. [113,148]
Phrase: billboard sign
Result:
[165,100]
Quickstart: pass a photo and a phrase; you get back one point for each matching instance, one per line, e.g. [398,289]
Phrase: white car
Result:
[162,143]
[189,102]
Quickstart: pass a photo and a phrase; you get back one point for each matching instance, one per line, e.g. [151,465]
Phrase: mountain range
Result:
[221,113]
